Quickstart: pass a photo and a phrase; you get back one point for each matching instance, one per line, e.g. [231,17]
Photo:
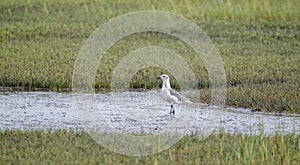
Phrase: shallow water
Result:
[131,112]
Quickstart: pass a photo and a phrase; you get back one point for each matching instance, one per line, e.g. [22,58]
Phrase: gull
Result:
[170,95]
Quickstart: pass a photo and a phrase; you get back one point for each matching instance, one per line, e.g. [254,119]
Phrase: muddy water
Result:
[131,112]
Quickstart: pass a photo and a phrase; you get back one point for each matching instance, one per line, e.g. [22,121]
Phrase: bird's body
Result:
[170,95]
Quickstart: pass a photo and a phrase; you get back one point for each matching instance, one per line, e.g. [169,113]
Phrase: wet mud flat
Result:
[132,112]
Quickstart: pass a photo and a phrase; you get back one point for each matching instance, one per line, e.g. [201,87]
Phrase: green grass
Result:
[257,40]
[63,147]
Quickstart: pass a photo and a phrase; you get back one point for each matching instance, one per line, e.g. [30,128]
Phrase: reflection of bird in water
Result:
[170,95]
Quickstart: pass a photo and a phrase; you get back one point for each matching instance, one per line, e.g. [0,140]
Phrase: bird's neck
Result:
[166,84]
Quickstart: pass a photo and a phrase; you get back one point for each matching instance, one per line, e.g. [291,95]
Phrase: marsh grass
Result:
[65,147]
[257,40]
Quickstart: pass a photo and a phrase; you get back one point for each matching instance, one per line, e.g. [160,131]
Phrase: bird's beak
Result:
[158,78]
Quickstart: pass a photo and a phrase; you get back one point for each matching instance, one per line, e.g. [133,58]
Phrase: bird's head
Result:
[166,81]
[164,77]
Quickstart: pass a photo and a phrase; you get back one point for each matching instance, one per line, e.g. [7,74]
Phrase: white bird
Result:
[170,95]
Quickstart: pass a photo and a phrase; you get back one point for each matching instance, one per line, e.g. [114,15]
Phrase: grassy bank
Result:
[62,147]
[258,42]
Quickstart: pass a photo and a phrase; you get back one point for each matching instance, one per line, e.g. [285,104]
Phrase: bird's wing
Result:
[179,96]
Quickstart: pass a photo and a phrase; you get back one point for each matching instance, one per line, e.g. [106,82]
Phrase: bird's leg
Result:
[172,111]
